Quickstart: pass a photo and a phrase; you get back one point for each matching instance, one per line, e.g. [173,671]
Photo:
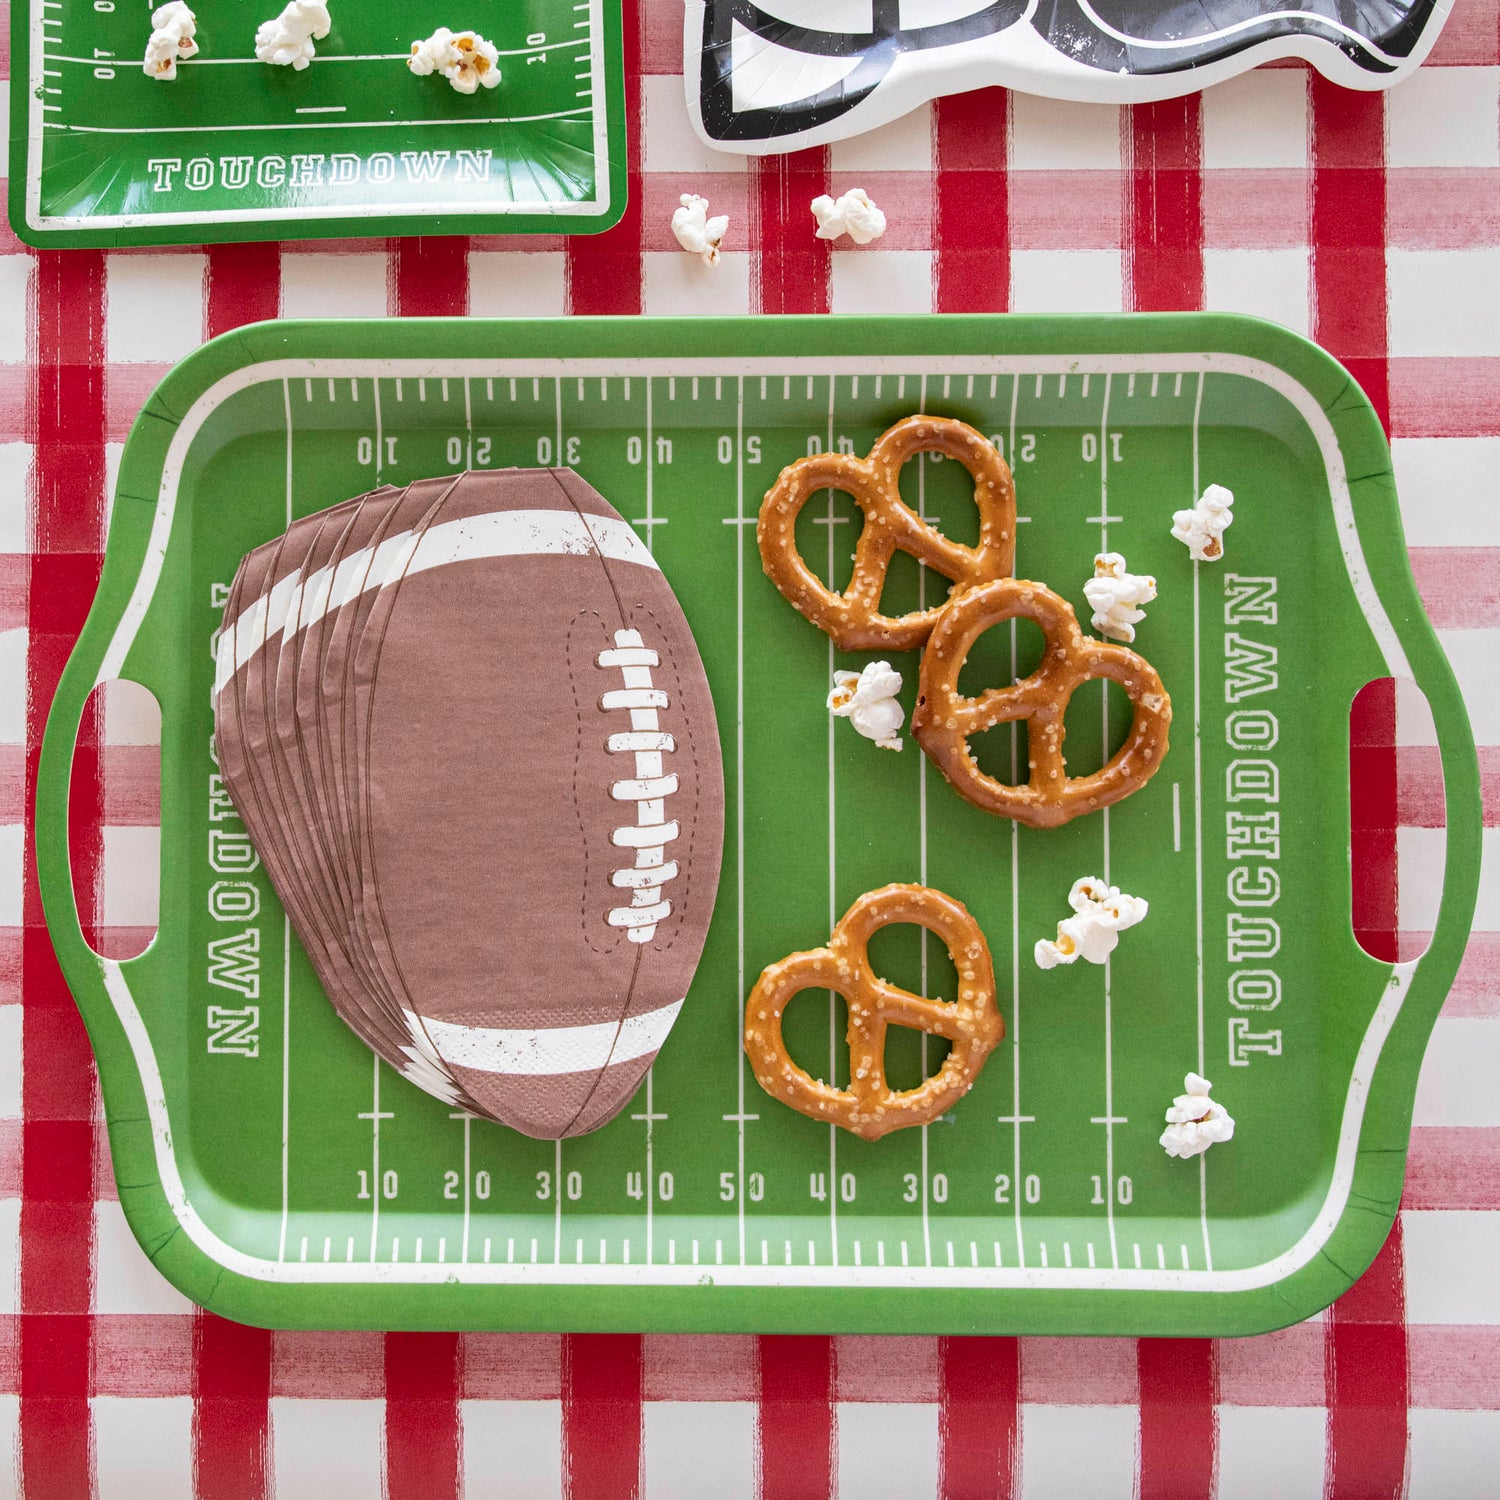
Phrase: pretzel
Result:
[869,1106]
[853,618]
[944,719]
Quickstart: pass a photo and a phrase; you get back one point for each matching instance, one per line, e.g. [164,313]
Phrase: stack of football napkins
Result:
[467,727]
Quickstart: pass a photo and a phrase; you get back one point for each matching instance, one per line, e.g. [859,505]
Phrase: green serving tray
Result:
[234,149]
[278,1175]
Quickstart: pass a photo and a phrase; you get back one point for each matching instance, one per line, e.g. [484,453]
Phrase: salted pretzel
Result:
[853,618]
[944,719]
[869,1106]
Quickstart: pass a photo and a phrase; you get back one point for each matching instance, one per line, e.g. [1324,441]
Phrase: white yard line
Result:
[834,1002]
[739,795]
[1015,906]
[922,835]
[1208,1256]
[278,126]
[1109,1049]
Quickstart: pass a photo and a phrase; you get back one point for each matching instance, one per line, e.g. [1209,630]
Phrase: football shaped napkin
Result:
[469,731]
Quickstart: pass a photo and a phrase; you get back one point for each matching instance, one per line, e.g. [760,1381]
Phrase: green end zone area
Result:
[354,144]
[338,1194]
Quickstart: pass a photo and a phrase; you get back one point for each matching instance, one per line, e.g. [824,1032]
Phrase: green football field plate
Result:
[277,1174]
[234,149]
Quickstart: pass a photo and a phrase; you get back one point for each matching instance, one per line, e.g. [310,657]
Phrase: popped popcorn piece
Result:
[853,214]
[1202,528]
[464,58]
[696,232]
[173,29]
[1195,1122]
[288,40]
[1113,593]
[868,700]
[1101,913]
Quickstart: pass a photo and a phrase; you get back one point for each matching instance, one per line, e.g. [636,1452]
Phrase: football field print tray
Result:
[279,1174]
[353,144]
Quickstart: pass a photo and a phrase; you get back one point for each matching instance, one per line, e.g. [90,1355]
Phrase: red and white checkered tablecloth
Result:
[1371,222]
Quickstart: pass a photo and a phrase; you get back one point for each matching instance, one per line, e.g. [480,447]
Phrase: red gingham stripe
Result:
[1178,1380]
[602,1415]
[605,270]
[1164,259]
[1458,586]
[971,220]
[66,422]
[795,1428]
[430,277]
[231,1364]
[1164,273]
[422,1444]
[242,285]
[792,267]
[231,1392]
[1366,1330]
[978,1434]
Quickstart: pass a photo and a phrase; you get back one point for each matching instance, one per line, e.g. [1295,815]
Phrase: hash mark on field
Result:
[1067,1255]
[1091,1254]
[1176,817]
[880,1252]
[996,1244]
[905,1260]
[718,1252]
[1185,1258]
[327,1249]
[304,1247]
[322,109]
[857,1260]
[950,1254]
[1104,520]
[603,1255]
[1044,1255]
[626,1260]
[1108,1120]
[1137,1250]
[1161,1258]
[349,1251]
[533,1252]
[1155,384]
[419,1249]
[1130,384]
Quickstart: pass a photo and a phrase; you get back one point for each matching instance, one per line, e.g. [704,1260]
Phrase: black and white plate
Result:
[774,75]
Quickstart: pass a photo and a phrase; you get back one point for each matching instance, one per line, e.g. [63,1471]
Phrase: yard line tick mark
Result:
[321,109]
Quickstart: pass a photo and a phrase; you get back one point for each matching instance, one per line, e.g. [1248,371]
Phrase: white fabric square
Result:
[1256,120]
[504,285]
[1065,280]
[144,1446]
[12,844]
[669,142]
[10,1254]
[881,281]
[155,305]
[1472,654]
[10,1062]
[512,1448]
[1450,1266]
[132,876]
[324,1448]
[904,145]
[13,687]
[125,1281]
[1271,1450]
[15,477]
[1265,283]
[1447,490]
[334,285]
[887,1450]
[15,281]
[694,1448]
[1443,302]
[1457,1085]
[1068,1452]
[113,453]
[1452,1452]
[10,1445]
[1414,722]
[132,716]
[1421,852]
[1444,117]
[1057,134]
[676,284]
